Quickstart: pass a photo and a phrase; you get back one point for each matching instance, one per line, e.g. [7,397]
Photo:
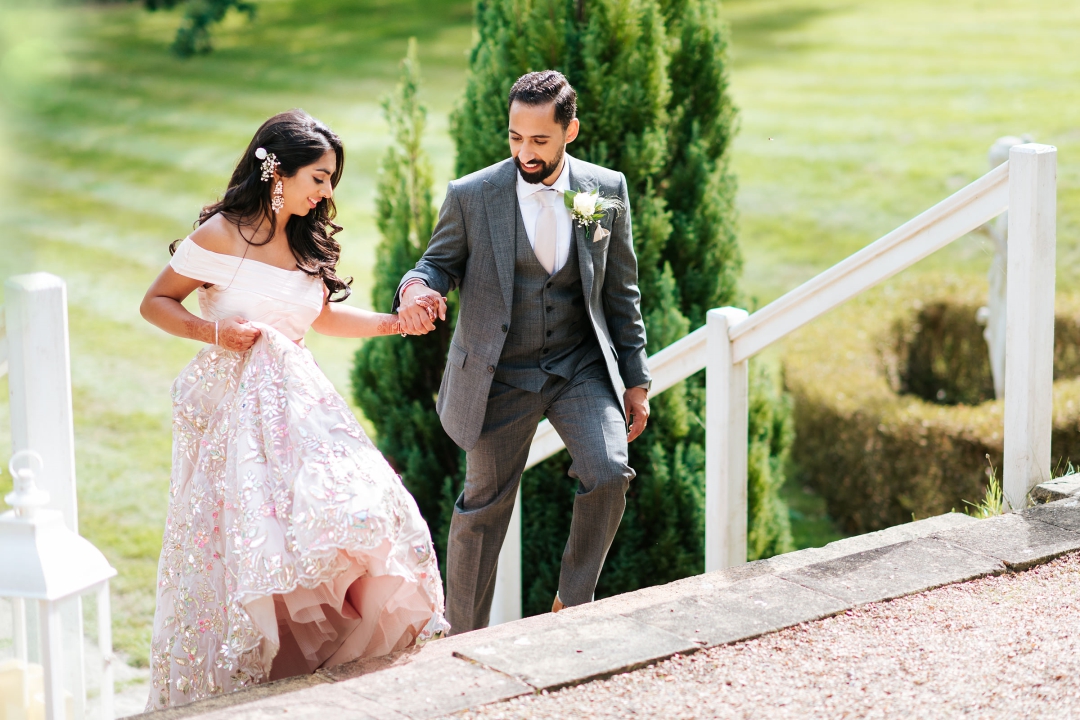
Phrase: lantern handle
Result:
[26,497]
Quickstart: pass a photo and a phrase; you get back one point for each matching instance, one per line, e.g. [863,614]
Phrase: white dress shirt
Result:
[530,205]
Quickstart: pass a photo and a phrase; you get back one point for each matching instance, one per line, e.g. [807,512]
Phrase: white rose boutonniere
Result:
[587,207]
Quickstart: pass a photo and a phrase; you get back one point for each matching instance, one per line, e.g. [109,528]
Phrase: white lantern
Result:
[41,560]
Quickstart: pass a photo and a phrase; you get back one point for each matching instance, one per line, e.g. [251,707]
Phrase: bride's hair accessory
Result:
[277,198]
[215,332]
[270,163]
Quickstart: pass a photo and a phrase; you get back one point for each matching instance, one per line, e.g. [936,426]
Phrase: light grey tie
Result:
[546,230]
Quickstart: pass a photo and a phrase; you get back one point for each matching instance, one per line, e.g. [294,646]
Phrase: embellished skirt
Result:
[290,544]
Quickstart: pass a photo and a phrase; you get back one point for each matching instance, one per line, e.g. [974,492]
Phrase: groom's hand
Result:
[636,405]
[414,316]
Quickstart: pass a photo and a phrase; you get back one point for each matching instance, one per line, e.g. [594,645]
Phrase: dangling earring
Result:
[277,198]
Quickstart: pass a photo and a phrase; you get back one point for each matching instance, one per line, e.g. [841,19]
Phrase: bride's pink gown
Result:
[290,544]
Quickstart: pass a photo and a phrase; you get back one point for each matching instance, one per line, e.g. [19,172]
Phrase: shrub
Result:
[892,416]
[395,381]
[654,103]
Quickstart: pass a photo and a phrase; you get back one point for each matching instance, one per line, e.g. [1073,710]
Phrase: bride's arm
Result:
[161,306]
[340,320]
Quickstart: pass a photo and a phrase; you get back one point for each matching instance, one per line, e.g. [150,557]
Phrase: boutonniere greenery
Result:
[588,206]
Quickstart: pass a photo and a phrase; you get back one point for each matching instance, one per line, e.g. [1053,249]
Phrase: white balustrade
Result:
[726,428]
[1029,322]
[1025,185]
[39,383]
[34,354]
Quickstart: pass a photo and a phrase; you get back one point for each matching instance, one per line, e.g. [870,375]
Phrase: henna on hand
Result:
[388,325]
[228,337]
[429,303]
[199,329]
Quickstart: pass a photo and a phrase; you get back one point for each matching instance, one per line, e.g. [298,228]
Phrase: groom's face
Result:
[538,141]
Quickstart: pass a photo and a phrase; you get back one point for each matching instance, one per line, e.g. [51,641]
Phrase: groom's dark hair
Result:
[543,87]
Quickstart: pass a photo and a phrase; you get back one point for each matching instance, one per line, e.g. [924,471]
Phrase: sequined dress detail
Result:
[288,536]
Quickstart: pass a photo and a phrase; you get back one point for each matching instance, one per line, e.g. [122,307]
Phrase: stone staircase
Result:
[629,631]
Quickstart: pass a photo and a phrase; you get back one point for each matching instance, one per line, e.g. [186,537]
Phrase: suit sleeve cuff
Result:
[405,286]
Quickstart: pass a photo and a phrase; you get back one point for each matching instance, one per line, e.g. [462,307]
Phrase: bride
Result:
[290,544]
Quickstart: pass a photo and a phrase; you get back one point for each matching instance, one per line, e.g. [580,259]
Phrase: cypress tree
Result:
[651,77]
[395,380]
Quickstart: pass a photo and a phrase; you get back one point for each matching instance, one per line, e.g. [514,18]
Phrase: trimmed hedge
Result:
[894,415]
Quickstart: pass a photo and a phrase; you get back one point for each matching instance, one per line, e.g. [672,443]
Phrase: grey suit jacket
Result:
[472,248]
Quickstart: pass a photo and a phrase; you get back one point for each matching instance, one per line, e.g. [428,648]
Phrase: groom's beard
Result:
[545,171]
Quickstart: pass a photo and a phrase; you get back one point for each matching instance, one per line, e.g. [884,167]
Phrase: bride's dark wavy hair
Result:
[297,140]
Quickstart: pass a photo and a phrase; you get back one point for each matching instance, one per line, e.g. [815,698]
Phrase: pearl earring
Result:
[277,199]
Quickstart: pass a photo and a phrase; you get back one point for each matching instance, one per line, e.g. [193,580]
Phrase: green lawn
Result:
[855,116]
[119,144]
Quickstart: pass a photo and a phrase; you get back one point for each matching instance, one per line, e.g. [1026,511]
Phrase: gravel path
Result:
[998,647]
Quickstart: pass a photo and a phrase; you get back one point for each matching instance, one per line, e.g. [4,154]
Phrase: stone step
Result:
[628,631]
[1057,489]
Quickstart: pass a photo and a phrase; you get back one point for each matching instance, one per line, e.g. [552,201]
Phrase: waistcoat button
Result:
[547,350]
[491,368]
[549,308]
[549,284]
[549,333]
[504,328]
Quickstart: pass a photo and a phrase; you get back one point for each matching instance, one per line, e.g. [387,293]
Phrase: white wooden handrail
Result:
[1025,185]
[954,217]
[673,364]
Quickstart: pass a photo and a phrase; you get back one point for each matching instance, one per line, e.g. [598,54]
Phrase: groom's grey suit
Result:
[529,345]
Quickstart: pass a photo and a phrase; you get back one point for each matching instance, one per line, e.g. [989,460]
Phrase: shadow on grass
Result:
[811,525]
[764,33]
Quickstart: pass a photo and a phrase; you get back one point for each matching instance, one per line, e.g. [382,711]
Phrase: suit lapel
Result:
[582,179]
[501,204]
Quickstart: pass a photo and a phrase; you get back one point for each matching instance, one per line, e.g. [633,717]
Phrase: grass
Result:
[858,114]
[119,144]
[855,115]
[993,502]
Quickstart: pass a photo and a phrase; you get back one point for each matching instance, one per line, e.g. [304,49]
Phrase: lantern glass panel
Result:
[85,684]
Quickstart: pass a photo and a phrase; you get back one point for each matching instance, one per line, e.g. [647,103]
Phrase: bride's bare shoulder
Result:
[219,235]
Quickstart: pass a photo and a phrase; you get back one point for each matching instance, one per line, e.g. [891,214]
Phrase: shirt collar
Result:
[562,183]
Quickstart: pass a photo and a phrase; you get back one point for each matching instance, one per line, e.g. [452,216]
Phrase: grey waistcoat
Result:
[550,332]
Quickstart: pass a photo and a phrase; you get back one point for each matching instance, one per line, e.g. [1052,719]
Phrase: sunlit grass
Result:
[856,116]
[115,146]
[875,109]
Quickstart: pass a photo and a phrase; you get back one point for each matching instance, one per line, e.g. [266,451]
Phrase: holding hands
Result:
[420,307]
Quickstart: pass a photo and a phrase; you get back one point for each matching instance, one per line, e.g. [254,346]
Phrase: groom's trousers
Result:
[589,419]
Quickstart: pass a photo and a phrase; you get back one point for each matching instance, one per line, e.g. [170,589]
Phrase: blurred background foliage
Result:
[854,116]
[200,17]
[653,101]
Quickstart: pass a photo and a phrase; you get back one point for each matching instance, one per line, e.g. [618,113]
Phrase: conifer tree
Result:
[395,379]
[652,96]
[193,36]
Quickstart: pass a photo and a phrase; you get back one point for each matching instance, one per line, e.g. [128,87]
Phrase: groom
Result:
[550,325]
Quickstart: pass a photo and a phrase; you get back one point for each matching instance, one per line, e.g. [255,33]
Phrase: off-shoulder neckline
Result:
[243,259]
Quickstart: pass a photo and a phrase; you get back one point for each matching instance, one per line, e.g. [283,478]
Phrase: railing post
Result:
[506,605]
[39,383]
[39,390]
[1029,333]
[725,444]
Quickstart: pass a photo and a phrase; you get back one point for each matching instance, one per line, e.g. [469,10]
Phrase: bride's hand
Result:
[237,334]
